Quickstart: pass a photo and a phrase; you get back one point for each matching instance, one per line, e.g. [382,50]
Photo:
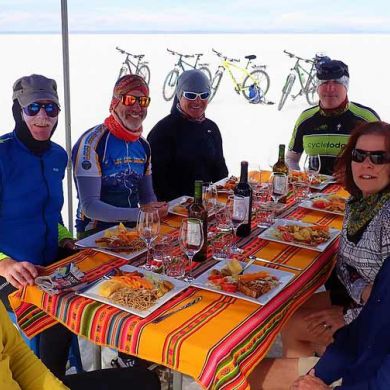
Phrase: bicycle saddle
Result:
[250,57]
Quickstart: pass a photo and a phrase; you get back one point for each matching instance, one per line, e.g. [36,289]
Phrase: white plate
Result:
[268,234]
[179,286]
[328,180]
[89,242]
[283,276]
[182,199]
[308,204]
[222,183]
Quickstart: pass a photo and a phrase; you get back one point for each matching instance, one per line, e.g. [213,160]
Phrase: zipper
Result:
[44,209]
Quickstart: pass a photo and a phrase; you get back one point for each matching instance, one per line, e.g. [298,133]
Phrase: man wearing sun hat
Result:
[32,168]
[112,167]
[324,129]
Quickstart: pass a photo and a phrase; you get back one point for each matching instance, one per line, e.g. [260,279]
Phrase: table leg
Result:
[177,380]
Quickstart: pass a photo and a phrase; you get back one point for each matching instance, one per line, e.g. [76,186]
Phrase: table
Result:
[218,341]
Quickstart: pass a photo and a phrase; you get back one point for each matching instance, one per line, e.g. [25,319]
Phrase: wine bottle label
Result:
[237,211]
[193,234]
[279,185]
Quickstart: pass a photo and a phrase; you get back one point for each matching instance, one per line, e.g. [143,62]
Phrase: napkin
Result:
[63,279]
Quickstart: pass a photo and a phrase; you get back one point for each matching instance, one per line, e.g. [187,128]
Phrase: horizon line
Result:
[32,32]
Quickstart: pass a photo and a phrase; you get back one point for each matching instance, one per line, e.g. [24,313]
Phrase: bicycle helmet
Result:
[255,94]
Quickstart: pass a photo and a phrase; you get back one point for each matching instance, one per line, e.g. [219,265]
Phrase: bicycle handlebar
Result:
[291,55]
[184,55]
[129,54]
[224,57]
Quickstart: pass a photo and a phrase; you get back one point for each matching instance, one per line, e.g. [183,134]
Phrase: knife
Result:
[164,316]
[274,263]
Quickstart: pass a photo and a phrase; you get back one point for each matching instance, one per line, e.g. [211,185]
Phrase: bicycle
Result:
[257,79]
[170,81]
[129,67]
[308,87]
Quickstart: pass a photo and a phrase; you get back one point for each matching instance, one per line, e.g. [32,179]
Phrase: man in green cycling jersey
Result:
[324,129]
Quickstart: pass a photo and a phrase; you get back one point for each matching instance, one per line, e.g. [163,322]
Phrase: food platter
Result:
[282,277]
[179,206]
[94,292]
[329,203]
[316,240]
[226,185]
[319,183]
[127,248]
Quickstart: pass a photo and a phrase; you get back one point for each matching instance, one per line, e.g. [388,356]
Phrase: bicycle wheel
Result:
[311,91]
[144,72]
[260,79]
[286,90]
[169,85]
[206,71]
[215,85]
[124,70]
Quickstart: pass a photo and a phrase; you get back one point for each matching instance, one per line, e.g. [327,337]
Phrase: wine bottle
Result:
[281,167]
[245,190]
[197,210]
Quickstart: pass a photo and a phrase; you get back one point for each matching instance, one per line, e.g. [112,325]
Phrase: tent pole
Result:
[68,138]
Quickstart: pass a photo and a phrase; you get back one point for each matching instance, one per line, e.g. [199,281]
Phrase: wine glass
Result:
[191,240]
[254,175]
[210,196]
[148,227]
[312,166]
[237,206]
[278,186]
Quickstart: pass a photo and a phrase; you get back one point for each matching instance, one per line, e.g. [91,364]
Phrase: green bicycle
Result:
[252,80]
[308,86]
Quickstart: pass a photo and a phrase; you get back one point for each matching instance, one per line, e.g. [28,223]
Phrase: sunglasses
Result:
[194,95]
[51,109]
[376,157]
[130,100]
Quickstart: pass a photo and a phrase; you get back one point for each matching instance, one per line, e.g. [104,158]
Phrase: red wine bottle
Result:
[197,210]
[245,190]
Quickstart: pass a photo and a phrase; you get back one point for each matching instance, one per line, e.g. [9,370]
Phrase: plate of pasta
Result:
[301,234]
[136,291]
[118,240]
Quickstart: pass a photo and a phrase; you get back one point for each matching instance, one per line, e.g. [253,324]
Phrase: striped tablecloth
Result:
[218,341]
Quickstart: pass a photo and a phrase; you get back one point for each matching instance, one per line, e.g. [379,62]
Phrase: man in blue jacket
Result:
[359,355]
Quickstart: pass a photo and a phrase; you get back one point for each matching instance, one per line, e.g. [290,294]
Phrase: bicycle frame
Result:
[128,62]
[227,65]
[180,63]
[302,73]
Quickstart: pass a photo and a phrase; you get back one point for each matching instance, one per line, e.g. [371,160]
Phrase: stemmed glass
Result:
[278,186]
[191,240]
[210,196]
[237,207]
[148,227]
[312,166]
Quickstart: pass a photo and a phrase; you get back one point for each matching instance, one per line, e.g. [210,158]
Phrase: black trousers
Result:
[114,378]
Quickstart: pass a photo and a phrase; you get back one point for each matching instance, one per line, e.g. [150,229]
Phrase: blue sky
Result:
[274,16]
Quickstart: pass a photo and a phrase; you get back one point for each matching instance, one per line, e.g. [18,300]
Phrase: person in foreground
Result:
[112,167]
[359,354]
[364,243]
[186,146]
[32,168]
[21,369]
[325,128]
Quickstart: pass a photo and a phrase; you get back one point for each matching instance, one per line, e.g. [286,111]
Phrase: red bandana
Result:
[119,131]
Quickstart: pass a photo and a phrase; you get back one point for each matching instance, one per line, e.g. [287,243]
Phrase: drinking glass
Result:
[312,166]
[174,266]
[148,227]
[278,186]
[221,246]
[254,175]
[237,212]
[161,248]
[223,219]
[191,240]
[210,196]
[301,190]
